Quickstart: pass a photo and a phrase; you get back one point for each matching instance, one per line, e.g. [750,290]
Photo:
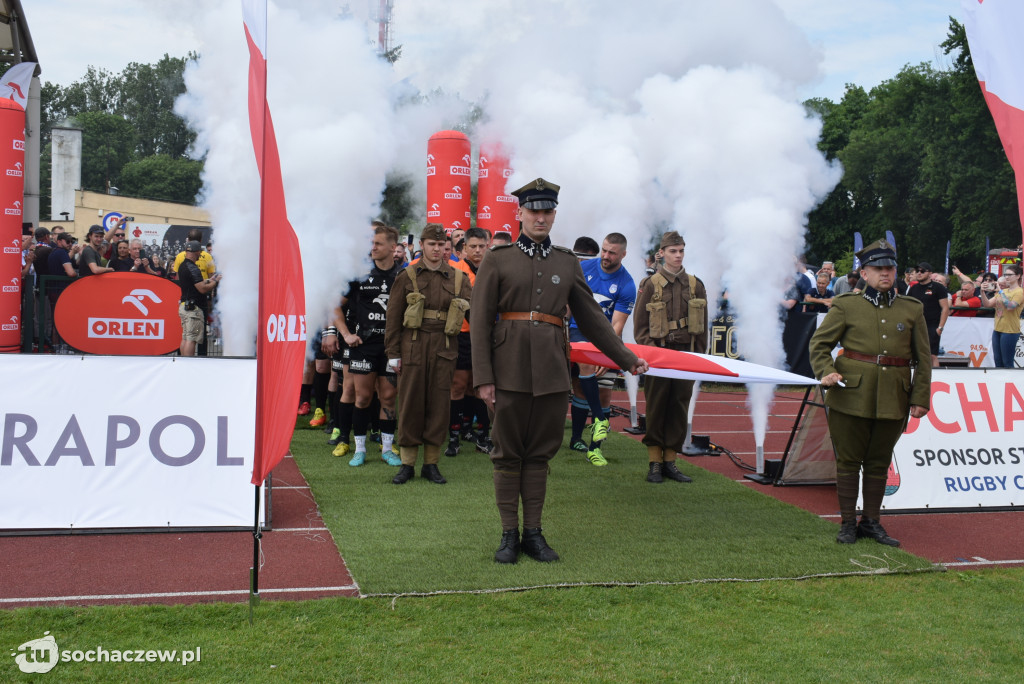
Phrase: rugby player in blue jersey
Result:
[615,292]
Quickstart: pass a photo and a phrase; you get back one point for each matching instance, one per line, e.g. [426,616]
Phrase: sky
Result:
[863,42]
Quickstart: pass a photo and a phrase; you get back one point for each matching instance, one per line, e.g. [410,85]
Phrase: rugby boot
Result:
[335,437]
[669,470]
[403,475]
[453,445]
[596,457]
[304,408]
[358,459]
[318,418]
[601,428]
[536,547]
[847,533]
[485,445]
[654,472]
[579,445]
[391,458]
[508,552]
[430,472]
[874,530]
[342,449]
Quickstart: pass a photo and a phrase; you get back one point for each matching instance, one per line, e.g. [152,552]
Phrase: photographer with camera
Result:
[194,291]
[1005,296]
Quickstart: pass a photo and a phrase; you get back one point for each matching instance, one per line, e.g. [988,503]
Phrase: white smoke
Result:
[672,113]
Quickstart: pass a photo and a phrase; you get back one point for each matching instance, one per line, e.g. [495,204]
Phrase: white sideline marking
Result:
[174,594]
[299,529]
[983,562]
[277,487]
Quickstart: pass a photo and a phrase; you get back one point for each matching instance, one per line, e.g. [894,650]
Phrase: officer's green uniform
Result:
[428,358]
[526,359]
[868,415]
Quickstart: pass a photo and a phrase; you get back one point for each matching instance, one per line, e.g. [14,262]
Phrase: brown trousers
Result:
[862,444]
[668,402]
[423,389]
[527,433]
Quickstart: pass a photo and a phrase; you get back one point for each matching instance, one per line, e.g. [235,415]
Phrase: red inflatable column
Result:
[495,211]
[12,195]
[449,162]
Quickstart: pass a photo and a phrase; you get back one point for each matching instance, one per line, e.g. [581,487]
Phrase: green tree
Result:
[162,177]
[108,143]
[146,100]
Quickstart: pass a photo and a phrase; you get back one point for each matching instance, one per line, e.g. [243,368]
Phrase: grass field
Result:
[905,627]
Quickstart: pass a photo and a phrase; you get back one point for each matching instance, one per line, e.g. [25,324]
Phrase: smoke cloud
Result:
[674,114]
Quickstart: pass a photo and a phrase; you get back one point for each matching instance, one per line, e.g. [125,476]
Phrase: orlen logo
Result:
[290,328]
[484,213]
[431,169]
[511,199]
[15,286]
[120,314]
[435,210]
[13,211]
[456,193]
[16,171]
[11,324]
[19,145]
[456,170]
[13,248]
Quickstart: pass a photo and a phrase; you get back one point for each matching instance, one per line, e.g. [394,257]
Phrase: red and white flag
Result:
[994,33]
[15,82]
[668,363]
[281,329]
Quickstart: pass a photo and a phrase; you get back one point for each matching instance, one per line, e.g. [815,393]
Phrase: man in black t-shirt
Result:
[368,362]
[194,291]
[935,298]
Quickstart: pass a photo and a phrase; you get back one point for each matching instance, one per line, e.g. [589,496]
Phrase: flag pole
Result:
[254,571]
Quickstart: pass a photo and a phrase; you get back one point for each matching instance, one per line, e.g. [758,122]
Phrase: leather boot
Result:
[654,472]
[874,530]
[508,552]
[669,470]
[847,533]
[404,474]
[536,547]
[430,472]
[847,486]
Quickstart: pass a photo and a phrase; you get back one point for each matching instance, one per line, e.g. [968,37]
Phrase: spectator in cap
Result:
[935,298]
[194,293]
[872,386]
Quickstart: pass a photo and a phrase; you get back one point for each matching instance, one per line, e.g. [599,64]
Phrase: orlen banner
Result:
[113,452]
[495,210]
[967,452]
[120,314]
[449,163]
[12,193]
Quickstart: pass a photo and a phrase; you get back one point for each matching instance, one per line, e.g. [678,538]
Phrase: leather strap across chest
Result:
[879,360]
[531,316]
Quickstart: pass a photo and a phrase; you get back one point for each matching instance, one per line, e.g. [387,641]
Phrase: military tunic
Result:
[526,361]
[428,362]
[667,399]
[867,417]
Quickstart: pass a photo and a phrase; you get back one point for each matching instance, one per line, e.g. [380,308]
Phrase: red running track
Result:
[302,560]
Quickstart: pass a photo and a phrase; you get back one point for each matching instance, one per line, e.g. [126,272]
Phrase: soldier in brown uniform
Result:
[671,311]
[425,312]
[520,364]
[873,384]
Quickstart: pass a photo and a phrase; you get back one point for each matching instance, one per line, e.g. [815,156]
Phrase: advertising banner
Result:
[126,442]
[967,452]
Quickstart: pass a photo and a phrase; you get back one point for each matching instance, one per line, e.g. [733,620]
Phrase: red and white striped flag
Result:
[281,329]
[668,363]
[994,33]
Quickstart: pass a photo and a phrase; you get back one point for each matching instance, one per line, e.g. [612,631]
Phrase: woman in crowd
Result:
[122,261]
[1005,296]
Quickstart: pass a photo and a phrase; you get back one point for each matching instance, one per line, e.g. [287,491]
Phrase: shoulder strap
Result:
[458,280]
[410,271]
[659,284]
[693,285]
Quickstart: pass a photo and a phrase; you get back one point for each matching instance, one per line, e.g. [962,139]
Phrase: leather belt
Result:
[531,316]
[878,360]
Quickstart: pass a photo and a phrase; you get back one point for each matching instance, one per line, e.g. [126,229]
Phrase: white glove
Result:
[395,365]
